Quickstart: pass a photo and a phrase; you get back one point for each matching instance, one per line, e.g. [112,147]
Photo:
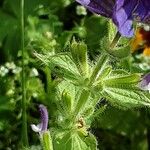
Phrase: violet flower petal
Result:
[145,83]
[42,127]
[83,2]
[122,17]
[44,117]
[122,12]
[126,11]
[102,7]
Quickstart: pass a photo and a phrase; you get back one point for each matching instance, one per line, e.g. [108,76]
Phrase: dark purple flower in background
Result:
[42,127]
[122,12]
[145,83]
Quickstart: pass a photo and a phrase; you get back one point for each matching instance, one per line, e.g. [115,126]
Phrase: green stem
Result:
[98,68]
[48,81]
[46,141]
[115,41]
[85,93]
[113,44]
[82,101]
[23,80]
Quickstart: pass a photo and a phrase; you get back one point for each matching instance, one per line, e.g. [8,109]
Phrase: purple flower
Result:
[122,12]
[145,83]
[42,127]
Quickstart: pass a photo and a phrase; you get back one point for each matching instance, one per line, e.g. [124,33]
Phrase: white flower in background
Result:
[53,42]
[35,95]
[10,92]
[3,71]
[17,70]
[34,72]
[10,65]
[49,35]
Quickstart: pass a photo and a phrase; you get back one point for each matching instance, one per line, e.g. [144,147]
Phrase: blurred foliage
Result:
[49,28]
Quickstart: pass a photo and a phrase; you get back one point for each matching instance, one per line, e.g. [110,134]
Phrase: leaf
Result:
[30,6]
[124,122]
[10,24]
[121,89]
[79,56]
[9,32]
[61,65]
[126,98]
[3,101]
[67,87]
[121,52]
[95,35]
[35,88]
[6,107]
[67,102]
[121,79]
[90,140]
[71,140]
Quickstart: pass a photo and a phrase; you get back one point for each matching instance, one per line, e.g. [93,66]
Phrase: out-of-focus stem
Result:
[24,115]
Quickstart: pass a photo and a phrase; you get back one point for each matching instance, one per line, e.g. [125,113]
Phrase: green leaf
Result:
[35,88]
[72,140]
[67,102]
[90,140]
[99,68]
[79,55]
[121,89]
[123,122]
[9,32]
[61,65]
[97,28]
[126,98]
[121,79]
[121,52]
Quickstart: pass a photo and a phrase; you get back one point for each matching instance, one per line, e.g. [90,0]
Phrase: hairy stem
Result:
[115,41]
[24,115]
[46,141]
[48,80]
[82,101]
[96,72]
[113,44]
[98,68]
